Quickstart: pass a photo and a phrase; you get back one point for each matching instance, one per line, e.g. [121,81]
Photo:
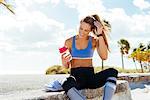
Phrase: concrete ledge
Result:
[26,91]
[122,93]
[138,77]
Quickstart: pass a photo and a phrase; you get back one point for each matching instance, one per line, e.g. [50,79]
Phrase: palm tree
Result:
[9,7]
[124,49]
[135,55]
[148,55]
[148,46]
[141,54]
[134,50]
[142,48]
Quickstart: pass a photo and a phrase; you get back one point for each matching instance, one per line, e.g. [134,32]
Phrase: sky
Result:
[29,40]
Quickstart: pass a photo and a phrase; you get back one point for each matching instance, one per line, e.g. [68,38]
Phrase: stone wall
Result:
[135,77]
[122,93]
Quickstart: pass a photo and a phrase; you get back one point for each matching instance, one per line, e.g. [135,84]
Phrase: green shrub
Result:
[58,69]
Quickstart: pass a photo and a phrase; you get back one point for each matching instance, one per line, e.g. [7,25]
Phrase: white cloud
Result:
[124,25]
[120,22]
[26,31]
[142,4]
[141,24]
[24,17]
[30,3]
[6,22]
[27,28]
[33,30]
[5,43]
[23,3]
[6,46]
[41,44]
[55,2]
[34,62]
[45,22]
[134,42]
[134,28]
[86,7]
[42,1]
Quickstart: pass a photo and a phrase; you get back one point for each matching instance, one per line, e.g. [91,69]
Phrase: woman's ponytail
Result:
[106,28]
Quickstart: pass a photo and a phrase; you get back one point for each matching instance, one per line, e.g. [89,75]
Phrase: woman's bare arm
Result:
[65,60]
[102,48]
[101,45]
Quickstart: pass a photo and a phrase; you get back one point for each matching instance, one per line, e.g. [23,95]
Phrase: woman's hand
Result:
[99,27]
[66,59]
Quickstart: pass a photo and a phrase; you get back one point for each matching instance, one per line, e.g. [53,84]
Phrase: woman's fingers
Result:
[97,24]
[66,57]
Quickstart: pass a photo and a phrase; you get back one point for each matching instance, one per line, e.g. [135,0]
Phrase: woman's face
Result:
[84,29]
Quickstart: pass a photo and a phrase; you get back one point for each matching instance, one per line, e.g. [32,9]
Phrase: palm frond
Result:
[8,6]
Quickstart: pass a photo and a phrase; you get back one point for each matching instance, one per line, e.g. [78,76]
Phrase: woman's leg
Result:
[110,88]
[107,78]
[70,87]
[79,80]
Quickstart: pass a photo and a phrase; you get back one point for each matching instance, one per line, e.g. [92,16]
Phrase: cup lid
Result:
[63,49]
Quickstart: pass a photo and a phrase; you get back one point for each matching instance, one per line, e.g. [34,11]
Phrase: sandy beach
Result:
[140,94]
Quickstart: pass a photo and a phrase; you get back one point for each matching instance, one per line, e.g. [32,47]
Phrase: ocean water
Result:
[10,84]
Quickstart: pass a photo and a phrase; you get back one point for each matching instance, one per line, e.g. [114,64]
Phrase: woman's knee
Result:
[69,83]
[112,72]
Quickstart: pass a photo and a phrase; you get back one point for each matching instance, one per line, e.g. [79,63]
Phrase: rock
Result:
[122,93]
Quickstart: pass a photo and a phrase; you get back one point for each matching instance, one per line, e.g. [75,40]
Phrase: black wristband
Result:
[99,35]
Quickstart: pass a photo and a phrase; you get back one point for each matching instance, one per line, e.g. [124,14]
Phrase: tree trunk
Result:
[122,61]
[102,64]
[135,64]
[149,66]
[141,67]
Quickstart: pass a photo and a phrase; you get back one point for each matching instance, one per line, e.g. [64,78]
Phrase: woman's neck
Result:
[83,38]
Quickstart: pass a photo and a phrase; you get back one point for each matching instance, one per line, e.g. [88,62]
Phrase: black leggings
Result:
[84,77]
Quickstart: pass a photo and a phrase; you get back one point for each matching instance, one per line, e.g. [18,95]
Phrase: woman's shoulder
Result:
[69,39]
[68,42]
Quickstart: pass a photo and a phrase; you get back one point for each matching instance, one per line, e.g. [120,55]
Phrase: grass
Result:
[58,69]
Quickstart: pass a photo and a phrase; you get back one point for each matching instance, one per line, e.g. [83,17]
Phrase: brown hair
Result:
[90,20]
